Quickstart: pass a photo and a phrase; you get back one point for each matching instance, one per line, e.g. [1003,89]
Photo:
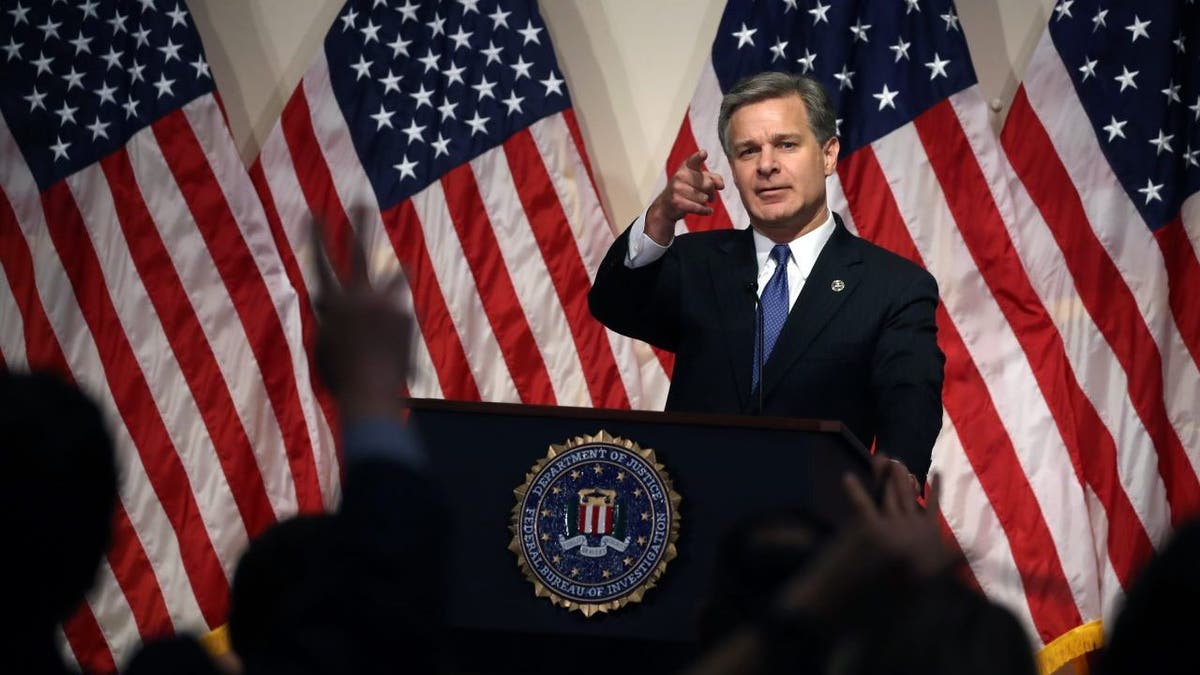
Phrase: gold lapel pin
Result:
[838,285]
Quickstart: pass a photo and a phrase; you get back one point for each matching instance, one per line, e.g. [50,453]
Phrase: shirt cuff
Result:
[385,439]
[642,250]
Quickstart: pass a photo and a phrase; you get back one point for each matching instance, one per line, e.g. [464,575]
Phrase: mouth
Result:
[770,192]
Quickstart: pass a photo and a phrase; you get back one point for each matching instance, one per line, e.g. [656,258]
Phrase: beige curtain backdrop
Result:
[631,66]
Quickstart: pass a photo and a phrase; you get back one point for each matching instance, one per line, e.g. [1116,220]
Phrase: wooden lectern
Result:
[724,467]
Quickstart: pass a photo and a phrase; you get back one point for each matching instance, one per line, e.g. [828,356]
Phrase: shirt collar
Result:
[805,248]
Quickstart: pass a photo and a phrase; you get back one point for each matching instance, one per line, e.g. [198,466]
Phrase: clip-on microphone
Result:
[752,287]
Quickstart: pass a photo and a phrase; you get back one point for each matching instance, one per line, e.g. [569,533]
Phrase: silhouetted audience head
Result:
[172,656]
[1155,631]
[754,559]
[935,627]
[58,487]
[278,569]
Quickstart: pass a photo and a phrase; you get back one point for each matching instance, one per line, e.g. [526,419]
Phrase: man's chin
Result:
[775,220]
[779,224]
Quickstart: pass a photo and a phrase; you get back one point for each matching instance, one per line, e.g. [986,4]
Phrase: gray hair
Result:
[773,84]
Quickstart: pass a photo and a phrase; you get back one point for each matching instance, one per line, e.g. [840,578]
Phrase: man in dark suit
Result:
[842,328]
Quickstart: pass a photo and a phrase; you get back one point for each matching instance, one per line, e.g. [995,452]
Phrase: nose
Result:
[767,164]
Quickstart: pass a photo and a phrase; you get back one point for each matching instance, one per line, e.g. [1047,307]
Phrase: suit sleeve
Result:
[639,303]
[906,377]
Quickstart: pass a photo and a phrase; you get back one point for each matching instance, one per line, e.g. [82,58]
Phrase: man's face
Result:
[779,168]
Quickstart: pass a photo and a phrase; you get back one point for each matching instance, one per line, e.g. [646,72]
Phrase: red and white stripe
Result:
[151,278]
[498,275]
[1068,447]
[1122,271]
[595,519]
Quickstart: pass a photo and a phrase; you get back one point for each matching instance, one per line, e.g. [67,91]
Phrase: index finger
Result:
[901,497]
[859,498]
[358,256]
[933,495]
[696,161]
[325,279]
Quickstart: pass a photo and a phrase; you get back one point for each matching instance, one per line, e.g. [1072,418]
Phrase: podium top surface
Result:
[646,416]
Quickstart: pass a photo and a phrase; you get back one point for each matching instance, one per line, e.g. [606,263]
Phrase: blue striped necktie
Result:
[774,307]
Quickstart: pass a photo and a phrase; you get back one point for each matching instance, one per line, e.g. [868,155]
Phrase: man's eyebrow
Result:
[774,138]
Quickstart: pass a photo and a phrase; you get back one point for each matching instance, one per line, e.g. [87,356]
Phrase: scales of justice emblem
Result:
[595,523]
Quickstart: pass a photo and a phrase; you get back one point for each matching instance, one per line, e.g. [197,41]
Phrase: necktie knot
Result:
[781,253]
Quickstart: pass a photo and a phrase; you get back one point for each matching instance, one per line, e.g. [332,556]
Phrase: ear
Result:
[830,155]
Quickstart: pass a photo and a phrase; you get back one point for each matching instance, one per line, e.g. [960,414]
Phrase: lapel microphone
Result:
[752,288]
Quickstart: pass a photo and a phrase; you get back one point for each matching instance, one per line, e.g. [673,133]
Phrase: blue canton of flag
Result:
[1137,72]
[884,63]
[426,87]
[76,84]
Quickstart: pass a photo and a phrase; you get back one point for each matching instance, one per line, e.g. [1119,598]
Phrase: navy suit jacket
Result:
[866,354]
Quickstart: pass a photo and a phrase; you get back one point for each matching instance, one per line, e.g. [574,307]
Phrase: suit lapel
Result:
[734,270]
[821,298]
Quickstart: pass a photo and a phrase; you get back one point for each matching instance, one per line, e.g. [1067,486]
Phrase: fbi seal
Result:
[595,523]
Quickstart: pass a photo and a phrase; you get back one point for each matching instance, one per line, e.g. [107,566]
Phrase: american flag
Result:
[444,132]
[1069,445]
[138,261]
[1104,140]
